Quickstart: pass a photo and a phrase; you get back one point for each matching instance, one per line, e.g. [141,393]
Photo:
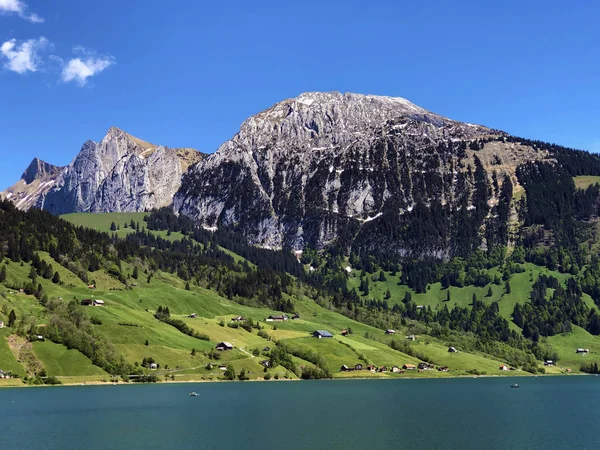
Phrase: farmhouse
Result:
[322,334]
[411,337]
[267,349]
[1,324]
[224,346]
[266,363]
[238,319]
[452,350]
[344,332]
[345,368]
[582,351]
[39,337]
[98,302]
[397,369]
[443,369]
[296,316]
[193,316]
[222,366]
[390,332]
[383,369]
[358,367]
[504,368]
[280,318]
[153,366]
[549,363]
[371,367]
[91,286]
[409,367]
[425,366]
[87,302]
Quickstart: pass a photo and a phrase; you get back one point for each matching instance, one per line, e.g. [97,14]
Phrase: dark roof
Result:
[324,333]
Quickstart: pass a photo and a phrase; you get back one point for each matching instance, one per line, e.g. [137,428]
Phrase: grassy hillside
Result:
[103,222]
[436,296]
[584,181]
[184,347]
[127,320]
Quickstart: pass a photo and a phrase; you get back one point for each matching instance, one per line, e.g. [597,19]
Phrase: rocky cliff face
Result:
[331,168]
[119,173]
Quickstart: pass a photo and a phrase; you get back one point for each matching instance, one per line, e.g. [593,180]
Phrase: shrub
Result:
[263,334]
[52,381]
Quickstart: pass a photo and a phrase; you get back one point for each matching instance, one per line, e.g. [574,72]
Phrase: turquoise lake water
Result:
[484,413]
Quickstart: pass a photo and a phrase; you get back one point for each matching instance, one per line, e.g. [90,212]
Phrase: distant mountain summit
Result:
[119,173]
[329,168]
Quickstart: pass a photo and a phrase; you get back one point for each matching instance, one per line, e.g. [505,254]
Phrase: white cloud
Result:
[23,57]
[81,68]
[19,8]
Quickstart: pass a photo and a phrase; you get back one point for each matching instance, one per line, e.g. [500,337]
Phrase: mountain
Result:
[35,182]
[363,172]
[119,173]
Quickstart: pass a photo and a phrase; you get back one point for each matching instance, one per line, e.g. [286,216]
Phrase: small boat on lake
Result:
[514,386]
[194,394]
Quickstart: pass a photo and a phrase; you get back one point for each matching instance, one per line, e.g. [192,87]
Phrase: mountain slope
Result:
[329,168]
[119,173]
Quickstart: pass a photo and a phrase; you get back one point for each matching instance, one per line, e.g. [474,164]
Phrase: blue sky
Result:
[187,73]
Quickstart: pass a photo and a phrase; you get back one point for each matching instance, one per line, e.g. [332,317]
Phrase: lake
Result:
[484,413]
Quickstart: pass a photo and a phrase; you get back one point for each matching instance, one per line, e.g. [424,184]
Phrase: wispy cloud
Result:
[22,57]
[19,8]
[85,66]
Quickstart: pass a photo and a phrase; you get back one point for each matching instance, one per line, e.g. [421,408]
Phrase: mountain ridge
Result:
[119,173]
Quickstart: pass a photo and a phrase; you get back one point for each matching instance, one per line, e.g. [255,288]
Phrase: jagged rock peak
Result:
[119,173]
[39,169]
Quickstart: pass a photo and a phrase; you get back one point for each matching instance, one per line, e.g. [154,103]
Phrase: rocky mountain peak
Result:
[119,173]
[322,165]
[39,169]
[324,118]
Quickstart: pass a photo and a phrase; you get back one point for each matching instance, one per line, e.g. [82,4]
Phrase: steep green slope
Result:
[127,321]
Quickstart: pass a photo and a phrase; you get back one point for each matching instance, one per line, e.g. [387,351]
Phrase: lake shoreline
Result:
[382,378]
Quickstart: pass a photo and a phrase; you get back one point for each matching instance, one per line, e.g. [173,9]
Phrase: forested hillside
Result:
[516,305]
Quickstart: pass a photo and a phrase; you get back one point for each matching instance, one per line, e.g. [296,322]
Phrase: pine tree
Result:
[135,273]
[12,318]
[113,226]
[146,343]
[193,352]
[187,286]
[507,287]
[448,295]
[489,292]
[2,273]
